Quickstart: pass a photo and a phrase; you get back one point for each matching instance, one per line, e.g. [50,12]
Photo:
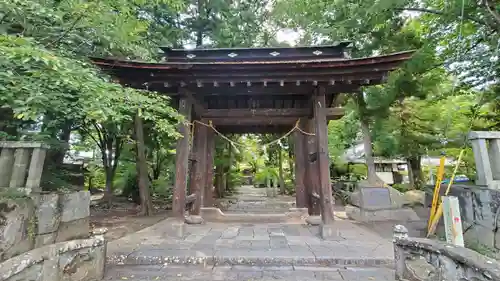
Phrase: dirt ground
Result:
[123,218]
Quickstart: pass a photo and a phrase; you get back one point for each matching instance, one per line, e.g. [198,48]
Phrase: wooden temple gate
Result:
[256,90]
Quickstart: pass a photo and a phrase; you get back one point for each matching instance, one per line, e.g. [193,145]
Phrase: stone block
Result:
[48,213]
[32,273]
[17,227]
[45,239]
[377,197]
[76,260]
[329,232]
[6,164]
[414,197]
[76,229]
[313,220]
[402,214]
[75,206]
[194,219]
[50,269]
[211,213]
[82,264]
[177,229]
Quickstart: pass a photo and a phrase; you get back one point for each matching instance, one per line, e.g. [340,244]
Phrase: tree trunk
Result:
[199,23]
[108,192]
[142,168]
[281,177]
[415,171]
[367,140]
[367,144]
[229,165]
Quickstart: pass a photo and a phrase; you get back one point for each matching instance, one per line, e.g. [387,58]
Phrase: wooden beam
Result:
[253,121]
[256,89]
[334,113]
[261,112]
[255,129]
[331,113]
[199,181]
[325,191]
[181,162]
[198,107]
[300,153]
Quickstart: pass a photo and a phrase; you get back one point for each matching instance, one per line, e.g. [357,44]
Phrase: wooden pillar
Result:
[326,198]
[312,184]
[301,162]
[209,192]
[200,166]
[181,161]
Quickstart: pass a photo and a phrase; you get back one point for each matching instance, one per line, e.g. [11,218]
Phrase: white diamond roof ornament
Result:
[274,54]
[232,55]
[190,56]
[317,52]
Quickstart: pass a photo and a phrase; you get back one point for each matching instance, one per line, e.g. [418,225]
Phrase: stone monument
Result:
[378,203]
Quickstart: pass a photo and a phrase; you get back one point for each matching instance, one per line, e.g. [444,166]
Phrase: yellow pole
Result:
[437,188]
[439,211]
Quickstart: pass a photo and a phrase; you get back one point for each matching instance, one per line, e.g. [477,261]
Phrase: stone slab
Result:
[237,244]
[240,273]
[75,206]
[374,198]
[48,213]
[362,215]
[329,232]
[17,227]
[76,229]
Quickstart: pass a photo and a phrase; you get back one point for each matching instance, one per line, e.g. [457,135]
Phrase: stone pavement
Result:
[246,273]
[251,251]
[253,200]
[251,244]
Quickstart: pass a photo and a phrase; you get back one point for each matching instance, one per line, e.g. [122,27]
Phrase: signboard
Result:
[375,198]
[452,221]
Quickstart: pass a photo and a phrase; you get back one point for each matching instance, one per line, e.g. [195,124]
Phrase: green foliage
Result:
[266,173]
[12,193]
[401,187]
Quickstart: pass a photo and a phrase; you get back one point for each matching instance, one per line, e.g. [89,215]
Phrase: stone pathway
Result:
[259,251]
[246,273]
[253,200]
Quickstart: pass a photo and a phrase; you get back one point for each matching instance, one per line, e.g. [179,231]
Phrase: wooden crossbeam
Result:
[268,114]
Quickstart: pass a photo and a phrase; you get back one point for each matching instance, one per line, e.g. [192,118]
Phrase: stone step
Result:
[232,273]
[243,258]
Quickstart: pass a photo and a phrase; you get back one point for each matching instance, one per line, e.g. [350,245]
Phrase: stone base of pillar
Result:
[329,232]
[178,229]
[313,220]
[194,219]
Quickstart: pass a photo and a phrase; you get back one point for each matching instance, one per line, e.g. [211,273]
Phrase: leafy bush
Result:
[265,173]
[401,187]
[163,188]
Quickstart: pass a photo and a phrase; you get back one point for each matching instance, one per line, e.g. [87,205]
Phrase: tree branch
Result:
[118,149]
[494,13]
[91,136]
[72,26]
[441,13]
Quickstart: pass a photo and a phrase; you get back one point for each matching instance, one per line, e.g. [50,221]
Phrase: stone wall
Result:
[41,219]
[419,259]
[479,210]
[77,260]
